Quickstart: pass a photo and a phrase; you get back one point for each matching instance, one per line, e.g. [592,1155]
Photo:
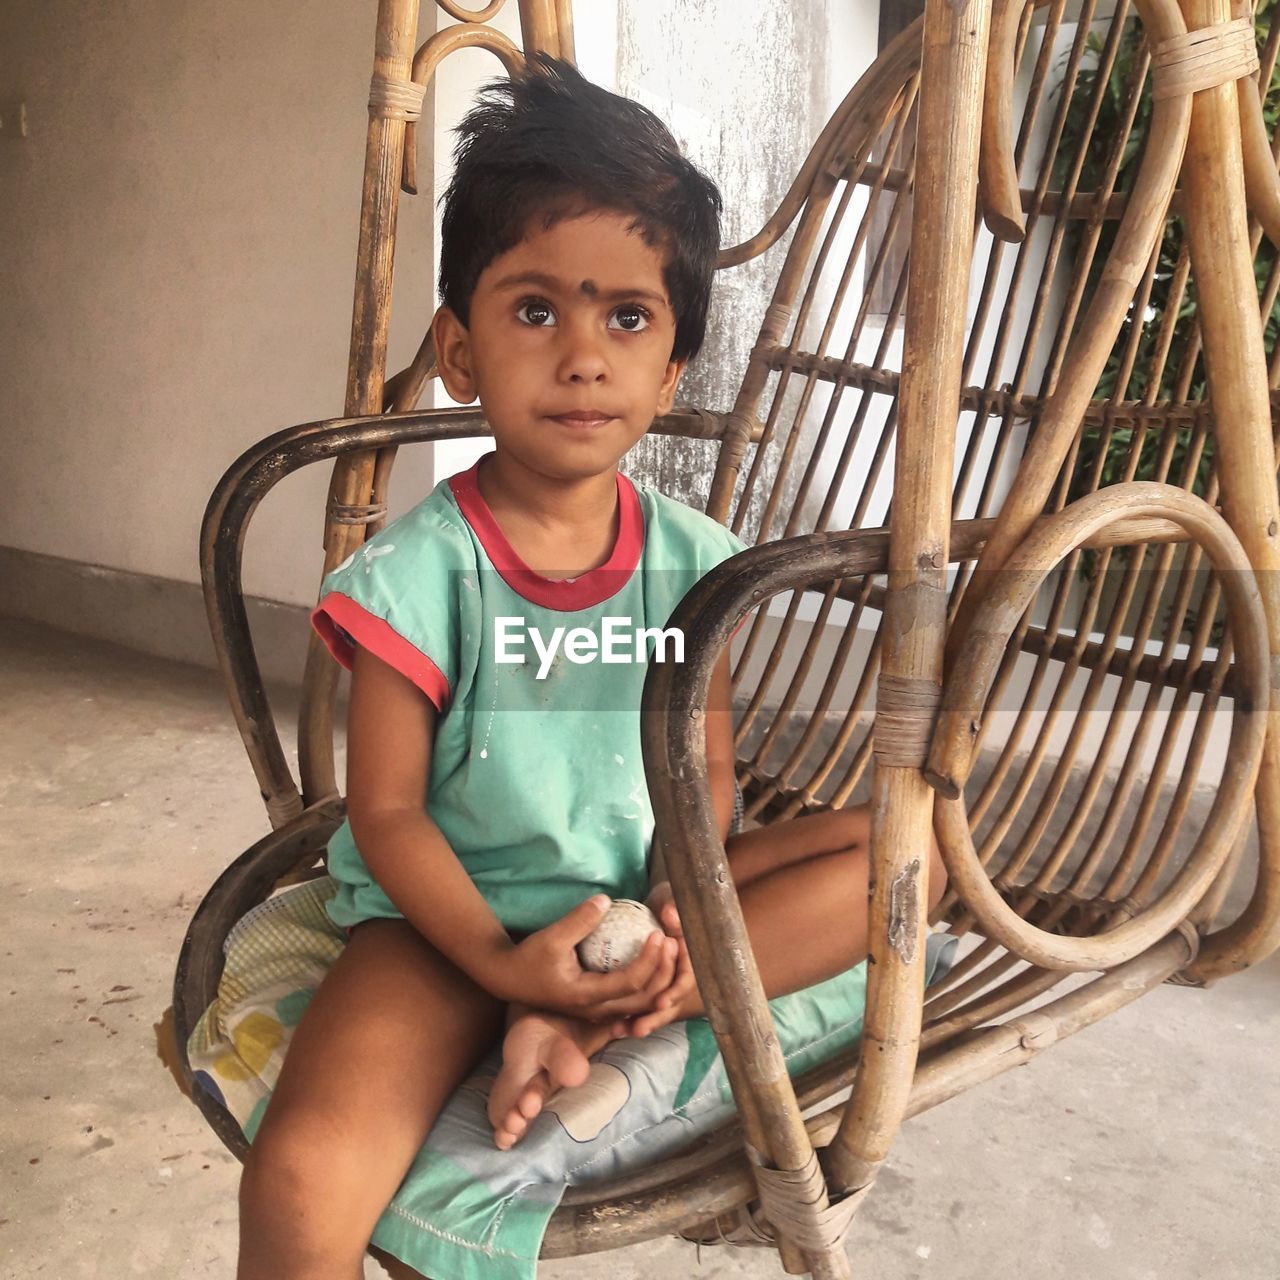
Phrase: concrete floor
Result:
[1147,1148]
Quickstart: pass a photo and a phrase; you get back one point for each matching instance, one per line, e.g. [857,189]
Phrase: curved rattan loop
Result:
[438,47]
[431,54]
[222,535]
[1011,591]
[456,11]
[970,682]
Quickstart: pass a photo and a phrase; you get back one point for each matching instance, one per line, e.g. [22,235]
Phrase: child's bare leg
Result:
[389,1036]
[758,852]
[803,888]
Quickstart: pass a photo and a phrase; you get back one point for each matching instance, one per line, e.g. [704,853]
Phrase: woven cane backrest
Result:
[1102,728]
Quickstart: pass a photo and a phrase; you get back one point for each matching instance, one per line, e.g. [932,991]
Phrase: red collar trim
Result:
[567,595]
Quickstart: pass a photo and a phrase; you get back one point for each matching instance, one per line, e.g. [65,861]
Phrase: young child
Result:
[496,795]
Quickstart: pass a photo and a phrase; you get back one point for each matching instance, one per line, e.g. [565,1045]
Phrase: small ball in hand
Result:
[619,938]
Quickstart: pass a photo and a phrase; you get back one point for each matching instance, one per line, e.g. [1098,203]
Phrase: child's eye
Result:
[630,317]
[535,312]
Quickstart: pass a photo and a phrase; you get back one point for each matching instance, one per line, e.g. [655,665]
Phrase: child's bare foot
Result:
[542,1052]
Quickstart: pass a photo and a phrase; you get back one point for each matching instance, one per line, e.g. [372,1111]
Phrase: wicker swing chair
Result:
[1059,758]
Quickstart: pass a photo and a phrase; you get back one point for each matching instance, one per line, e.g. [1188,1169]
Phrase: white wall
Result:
[177,264]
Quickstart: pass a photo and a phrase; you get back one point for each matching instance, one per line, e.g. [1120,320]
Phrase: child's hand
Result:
[667,1004]
[544,971]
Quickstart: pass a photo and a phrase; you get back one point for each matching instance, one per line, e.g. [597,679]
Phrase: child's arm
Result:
[391,728]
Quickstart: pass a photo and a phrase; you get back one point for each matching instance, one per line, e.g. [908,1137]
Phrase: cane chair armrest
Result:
[673,744]
[674,703]
[226,519]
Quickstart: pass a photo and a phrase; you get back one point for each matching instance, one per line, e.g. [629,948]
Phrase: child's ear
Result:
[452,345]
[670,381]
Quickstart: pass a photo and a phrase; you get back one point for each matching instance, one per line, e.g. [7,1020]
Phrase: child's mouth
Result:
[582,421]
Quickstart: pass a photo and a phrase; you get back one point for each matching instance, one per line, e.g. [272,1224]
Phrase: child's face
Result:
[568,346]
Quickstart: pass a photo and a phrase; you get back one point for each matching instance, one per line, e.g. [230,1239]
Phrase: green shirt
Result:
[536,777]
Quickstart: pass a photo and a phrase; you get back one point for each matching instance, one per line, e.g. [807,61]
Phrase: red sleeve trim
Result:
[339,621]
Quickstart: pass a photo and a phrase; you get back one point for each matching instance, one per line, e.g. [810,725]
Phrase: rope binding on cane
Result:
[1204,59]
[791,1201]
[906,707]
[396,99]
[356,512]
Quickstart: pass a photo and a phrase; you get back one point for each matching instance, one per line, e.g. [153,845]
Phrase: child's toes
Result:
[512,1127]
[528,1105]
[510,1131]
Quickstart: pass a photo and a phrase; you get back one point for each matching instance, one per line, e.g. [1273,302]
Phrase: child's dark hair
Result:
[549,144]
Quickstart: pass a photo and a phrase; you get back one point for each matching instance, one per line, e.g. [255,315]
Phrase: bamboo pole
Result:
[1221,257]
[952,75]
[352,479]
[540,27]
[447,41]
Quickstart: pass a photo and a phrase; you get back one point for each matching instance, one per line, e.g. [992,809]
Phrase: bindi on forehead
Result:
[589,288]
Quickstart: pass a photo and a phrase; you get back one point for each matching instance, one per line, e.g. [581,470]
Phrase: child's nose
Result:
[583,358]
